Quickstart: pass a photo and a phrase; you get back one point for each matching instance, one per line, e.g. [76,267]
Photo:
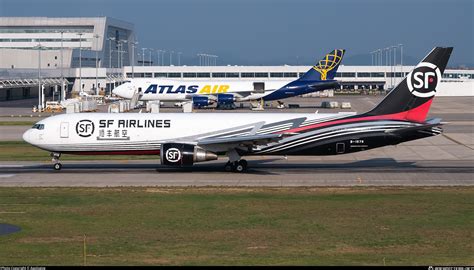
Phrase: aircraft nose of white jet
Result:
[27,135]
[122,91]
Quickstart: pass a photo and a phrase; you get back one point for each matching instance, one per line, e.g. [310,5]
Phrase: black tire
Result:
[240,166]
[228,167]
[57,166]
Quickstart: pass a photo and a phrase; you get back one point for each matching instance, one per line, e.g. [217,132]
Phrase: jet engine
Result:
[199,102]
[225,101]
[180,154]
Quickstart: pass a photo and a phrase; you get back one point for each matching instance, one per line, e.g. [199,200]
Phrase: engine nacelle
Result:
[225,99]
[201,101]
[180,154]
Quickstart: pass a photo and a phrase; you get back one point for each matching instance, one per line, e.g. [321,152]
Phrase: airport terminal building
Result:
[59,46]
[98,53]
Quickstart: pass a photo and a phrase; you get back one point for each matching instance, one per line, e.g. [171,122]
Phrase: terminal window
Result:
[232,74]
[247,74]
[161,75]
[276,74]
[218,75]
[203,75]
[174,75]
[290,74]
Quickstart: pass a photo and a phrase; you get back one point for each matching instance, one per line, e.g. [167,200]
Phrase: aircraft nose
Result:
[117,91]
[27,136]
[122,91]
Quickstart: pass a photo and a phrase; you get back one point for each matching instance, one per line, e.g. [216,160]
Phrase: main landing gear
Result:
[236,166]
[55,159]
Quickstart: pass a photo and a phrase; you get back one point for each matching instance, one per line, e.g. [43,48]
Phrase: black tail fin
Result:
[326,68]
[413,96]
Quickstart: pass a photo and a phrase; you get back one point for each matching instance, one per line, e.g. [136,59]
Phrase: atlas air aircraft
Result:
[182,139]
[225,92]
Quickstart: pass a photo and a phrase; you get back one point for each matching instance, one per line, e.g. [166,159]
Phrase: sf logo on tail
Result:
[423,80]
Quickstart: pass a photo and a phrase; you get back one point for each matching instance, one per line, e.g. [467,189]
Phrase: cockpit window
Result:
[38,126]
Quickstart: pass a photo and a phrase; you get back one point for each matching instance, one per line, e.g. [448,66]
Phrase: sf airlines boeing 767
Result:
[225,92]
[182,139]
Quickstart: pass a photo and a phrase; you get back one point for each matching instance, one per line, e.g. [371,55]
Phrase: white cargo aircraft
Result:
[225,92]
[183,139]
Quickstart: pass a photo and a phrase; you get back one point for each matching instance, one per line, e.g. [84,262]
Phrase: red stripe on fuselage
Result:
[417,114]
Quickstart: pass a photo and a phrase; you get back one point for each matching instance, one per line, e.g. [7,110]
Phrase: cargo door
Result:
[259,87]
[64,132]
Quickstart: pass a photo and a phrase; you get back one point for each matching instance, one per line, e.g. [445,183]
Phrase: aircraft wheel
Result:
[241,166]
[57,166]
[229,167]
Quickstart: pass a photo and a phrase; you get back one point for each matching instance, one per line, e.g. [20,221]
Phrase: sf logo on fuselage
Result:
[173,155]
[424,79]
[85,128]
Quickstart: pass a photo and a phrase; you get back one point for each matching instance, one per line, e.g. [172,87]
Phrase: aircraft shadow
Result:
[275,166]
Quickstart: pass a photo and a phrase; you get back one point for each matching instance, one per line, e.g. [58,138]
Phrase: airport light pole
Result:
[110,50]
[179,58]
[96,36]
[80,61]
[158,52]
[381,57]
[40,88]
[143,56]
[149,55]
[123,51]
[171,58]
[119,53]
[63,92]
[134,43]
[401,59]
[394,64]
[163,57]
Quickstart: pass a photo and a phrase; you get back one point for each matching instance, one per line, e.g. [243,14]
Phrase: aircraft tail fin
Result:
[326,68]
[411,98]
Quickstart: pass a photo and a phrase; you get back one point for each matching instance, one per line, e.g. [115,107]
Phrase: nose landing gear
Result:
[55,159]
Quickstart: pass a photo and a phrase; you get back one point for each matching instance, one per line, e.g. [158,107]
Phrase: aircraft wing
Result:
[240,94]
[243,140]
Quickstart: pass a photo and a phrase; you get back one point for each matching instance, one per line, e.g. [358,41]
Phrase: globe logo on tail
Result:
[328,63]
[423,80]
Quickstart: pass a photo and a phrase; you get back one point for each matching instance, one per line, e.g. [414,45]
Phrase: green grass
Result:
[238,226]
[22,151]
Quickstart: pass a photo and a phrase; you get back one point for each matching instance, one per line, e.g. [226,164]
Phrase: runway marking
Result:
[456,141]
[12,166]
[6,175]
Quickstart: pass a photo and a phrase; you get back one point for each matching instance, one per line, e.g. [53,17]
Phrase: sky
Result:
[277,32]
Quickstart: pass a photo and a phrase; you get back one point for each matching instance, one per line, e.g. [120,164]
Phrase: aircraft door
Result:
[340,148]
[259,87]
[64,132]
